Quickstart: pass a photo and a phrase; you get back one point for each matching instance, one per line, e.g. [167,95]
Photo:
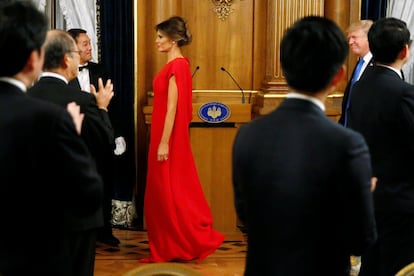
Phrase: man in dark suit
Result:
[89,73]
[48,180]
[61,65]
[357,34]
[382,110]
[302,181]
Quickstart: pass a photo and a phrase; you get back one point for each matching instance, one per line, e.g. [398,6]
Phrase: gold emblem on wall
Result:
[222,8]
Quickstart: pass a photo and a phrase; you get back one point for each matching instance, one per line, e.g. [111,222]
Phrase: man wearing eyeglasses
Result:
[60,66]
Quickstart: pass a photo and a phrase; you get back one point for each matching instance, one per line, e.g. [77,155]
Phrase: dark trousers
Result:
[108,179]
[81,250]
[394,247]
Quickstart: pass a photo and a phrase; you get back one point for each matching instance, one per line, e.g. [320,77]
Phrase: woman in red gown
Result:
[178,218]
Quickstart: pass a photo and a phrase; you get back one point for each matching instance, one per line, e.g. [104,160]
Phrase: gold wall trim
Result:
[151,93]
[136,101]
[277,96]
[223,91]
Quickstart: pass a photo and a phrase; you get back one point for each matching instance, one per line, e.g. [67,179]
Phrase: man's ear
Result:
[65,61]
[339,76]
[404,52]
[33,65]
[31,61]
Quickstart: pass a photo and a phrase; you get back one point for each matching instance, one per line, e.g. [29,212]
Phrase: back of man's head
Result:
[58,44]
[22,30]
[387,37]
[311,53]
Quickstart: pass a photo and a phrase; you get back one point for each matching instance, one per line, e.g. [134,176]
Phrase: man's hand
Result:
[104,94]
[77,117]
[373,183]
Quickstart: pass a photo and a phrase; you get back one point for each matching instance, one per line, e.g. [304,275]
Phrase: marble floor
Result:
[227,260]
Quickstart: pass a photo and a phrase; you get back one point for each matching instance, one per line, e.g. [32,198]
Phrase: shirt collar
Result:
[15,82]
[367,57]
[54,75]
[391,68]
[316,101]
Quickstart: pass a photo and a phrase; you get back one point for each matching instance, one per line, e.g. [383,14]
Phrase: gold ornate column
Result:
[334,10]
[343,12]
[280,15]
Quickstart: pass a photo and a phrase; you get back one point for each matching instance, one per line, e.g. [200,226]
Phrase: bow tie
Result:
[83,67]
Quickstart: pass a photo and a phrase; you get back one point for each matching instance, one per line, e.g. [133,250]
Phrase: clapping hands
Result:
[104,94]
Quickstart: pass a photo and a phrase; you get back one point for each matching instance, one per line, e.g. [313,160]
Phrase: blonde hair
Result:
[363,25]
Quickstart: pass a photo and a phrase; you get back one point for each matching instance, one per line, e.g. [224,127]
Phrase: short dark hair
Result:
[176,29]
[311,52]
[75,32]
[22,30]
[387,37]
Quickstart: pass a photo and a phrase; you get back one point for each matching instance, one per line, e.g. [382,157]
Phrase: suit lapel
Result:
[76,83]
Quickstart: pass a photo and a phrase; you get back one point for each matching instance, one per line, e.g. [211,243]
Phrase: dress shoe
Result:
[108,239]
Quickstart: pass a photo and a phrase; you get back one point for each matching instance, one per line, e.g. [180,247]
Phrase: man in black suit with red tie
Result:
[382,110]
[89,73]
[49,184]
[302,182]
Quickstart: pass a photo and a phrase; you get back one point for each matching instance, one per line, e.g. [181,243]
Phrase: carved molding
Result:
[222,8]
[291,10]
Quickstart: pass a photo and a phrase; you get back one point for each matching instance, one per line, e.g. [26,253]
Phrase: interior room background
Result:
[122,34]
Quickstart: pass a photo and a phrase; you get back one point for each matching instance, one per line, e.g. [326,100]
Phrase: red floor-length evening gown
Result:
[178,218]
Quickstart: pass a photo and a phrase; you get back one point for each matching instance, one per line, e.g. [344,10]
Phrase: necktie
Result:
[355,76]
[357,71]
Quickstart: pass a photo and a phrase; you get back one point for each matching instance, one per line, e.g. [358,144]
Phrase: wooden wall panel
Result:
[259,43]
[216,42]
[212,154]
[220,43]
[156,12]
